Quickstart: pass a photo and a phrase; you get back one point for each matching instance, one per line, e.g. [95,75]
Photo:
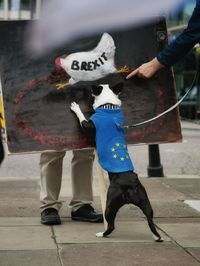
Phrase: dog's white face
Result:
[104,94]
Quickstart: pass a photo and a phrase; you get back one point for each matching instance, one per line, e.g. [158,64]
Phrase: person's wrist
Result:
[156,64]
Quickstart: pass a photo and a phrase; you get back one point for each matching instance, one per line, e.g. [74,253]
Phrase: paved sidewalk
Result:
[25,242]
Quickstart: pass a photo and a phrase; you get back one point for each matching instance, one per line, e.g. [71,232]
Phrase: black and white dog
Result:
[103,125]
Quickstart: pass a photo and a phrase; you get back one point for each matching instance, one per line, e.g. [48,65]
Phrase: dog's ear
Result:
[96,90]
[118,88]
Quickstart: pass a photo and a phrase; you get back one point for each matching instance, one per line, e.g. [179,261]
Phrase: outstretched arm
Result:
[175,51]
[147,70]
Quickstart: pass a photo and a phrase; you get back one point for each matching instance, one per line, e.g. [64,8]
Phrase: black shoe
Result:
[50,216]
[86,213]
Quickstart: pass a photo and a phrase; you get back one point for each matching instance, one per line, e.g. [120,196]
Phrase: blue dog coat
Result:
[110,140]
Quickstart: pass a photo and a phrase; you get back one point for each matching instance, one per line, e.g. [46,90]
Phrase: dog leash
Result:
[196,77]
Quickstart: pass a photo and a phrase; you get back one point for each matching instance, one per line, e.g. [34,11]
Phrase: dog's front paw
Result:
[100,234]
[75,107]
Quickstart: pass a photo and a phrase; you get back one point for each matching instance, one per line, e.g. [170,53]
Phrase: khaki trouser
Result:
[51,164]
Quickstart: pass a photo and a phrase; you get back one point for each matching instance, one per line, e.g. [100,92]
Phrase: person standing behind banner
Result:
[175,51]
[51,164]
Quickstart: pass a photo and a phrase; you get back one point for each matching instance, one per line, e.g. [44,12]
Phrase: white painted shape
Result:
[195,204]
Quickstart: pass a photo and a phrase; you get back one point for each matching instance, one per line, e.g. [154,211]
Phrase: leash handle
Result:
[196,77]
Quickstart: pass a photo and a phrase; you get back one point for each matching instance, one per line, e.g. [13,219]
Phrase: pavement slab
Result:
[186,235]
[158,190]
[26,238]
[174,209]
[178,220]
[126,254]
[190,187]
[19,198]
[29,258]
[195,252]
[19,221]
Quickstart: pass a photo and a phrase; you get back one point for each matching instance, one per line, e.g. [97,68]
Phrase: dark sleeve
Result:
[184,42]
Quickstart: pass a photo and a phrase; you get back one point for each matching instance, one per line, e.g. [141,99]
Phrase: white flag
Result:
[63,20]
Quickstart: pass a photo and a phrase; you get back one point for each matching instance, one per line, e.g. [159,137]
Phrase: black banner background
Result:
[38,116]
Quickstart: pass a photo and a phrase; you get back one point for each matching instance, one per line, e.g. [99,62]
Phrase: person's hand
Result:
[147,70]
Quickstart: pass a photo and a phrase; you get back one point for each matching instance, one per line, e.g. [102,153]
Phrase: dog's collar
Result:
[109,106]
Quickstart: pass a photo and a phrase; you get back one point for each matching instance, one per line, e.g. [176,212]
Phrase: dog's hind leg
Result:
[113,204]
[144,204]
[110,217]
[148,212]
